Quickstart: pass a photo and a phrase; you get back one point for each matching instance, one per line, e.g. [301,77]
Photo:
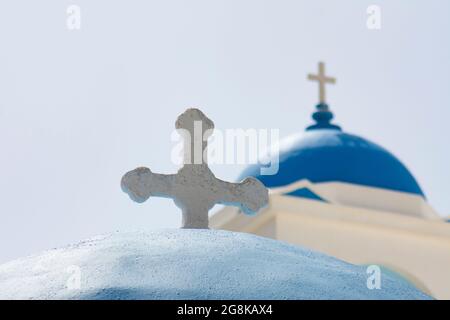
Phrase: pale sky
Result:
[80,108]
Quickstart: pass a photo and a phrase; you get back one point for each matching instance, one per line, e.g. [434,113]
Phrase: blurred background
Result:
[79,108]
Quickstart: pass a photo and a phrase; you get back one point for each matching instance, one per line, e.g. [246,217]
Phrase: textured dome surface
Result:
[192,264]
[330,155]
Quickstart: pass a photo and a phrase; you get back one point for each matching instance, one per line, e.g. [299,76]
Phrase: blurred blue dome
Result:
[324,154]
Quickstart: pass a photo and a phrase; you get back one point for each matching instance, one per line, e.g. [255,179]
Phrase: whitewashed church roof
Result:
[190,264]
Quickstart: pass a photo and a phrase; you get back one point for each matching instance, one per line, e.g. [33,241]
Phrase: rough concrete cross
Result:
[195,189]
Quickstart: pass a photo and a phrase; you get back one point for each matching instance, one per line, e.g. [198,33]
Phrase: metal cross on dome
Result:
[195,189]
[322,79]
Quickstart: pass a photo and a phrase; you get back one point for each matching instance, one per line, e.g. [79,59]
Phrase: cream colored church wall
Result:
[417,248]
[411,248]
[352,195]
[425,262]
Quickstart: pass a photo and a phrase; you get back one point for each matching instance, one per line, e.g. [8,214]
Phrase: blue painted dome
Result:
[324,153]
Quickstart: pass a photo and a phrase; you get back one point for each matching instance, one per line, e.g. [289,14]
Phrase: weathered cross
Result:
[195,189]
[323,80]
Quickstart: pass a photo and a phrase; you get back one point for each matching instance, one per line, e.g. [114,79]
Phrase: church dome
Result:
[191,264]
[324,153]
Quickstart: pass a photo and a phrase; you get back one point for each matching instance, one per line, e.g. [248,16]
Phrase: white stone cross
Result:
[195,189]
[323,80]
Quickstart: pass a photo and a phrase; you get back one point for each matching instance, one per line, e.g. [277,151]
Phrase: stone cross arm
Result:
[141,183]
[195,190]
[249,195]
